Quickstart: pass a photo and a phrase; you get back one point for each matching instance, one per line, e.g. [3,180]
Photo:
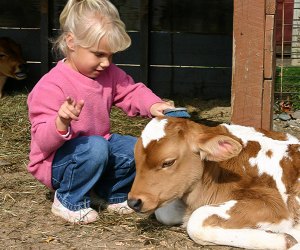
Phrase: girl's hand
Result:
[158,108]
[69,110]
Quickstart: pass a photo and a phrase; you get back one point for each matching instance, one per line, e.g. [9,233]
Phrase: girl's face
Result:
[89,61]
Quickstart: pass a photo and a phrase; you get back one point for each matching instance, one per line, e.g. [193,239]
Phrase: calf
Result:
[229,185]
[12,63]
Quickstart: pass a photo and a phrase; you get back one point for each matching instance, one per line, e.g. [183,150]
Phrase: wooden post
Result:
[253,63]
[44,36]
[145,45]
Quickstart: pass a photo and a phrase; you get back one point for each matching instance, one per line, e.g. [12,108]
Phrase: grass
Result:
[290,87]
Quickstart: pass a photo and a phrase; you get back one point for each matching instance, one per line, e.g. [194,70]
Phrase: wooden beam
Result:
[269,71]
[267,105]
[270,7]
[44,37]
[269,48]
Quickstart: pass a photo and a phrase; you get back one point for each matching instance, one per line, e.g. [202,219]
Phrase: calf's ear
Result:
[219,148]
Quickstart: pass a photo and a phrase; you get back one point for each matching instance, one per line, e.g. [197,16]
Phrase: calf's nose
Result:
[135,204]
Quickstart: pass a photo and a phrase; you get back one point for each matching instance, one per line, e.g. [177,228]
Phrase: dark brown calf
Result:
[229,185]
[11,62]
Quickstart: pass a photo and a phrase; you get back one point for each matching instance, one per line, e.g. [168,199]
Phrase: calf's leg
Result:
[203,232]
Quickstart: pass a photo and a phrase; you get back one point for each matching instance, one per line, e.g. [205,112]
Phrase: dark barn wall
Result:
[179,48]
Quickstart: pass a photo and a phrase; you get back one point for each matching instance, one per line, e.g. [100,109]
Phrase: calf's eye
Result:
[167,164]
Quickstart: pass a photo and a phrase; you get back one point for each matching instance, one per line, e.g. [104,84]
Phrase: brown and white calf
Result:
[12,63]
[229,185]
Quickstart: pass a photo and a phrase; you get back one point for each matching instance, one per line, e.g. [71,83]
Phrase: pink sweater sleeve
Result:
[133,98]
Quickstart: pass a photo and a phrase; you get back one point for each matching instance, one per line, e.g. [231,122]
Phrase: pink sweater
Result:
[112,87]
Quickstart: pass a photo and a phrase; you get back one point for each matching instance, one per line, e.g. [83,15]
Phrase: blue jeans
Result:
[90,162]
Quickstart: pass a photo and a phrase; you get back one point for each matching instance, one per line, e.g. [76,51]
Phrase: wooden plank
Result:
[267,107]
[210,17]
[144,37]
[44,36]
[16,13]
[208,50]
[270,7]
[269,73]
[269,56]
[205,83]
[248,61]
[129,12]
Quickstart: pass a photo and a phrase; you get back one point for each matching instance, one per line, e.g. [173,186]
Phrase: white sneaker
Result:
[120,208]
[82,216]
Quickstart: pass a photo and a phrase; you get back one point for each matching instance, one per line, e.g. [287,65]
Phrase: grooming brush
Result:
[177,112]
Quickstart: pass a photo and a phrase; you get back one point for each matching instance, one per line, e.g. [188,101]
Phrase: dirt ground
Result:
[26,221]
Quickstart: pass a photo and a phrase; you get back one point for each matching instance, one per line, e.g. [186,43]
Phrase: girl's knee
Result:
[96,157]
[95,151]
[98,148]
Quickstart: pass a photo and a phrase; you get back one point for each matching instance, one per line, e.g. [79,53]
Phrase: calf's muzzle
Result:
[135,204]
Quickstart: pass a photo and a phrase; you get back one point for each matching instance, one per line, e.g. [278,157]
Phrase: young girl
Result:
[72,149]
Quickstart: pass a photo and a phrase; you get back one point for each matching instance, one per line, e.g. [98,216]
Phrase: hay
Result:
[14,132]
[26,220]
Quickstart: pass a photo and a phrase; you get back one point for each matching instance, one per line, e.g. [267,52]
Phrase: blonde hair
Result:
[89,21]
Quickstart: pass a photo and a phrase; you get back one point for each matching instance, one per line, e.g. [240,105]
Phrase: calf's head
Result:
[12,63]
[170,156]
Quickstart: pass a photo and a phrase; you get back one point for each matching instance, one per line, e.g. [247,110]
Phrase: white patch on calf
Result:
[292,139]
[250,134]
[204,212]
[154,130]
[269,164]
